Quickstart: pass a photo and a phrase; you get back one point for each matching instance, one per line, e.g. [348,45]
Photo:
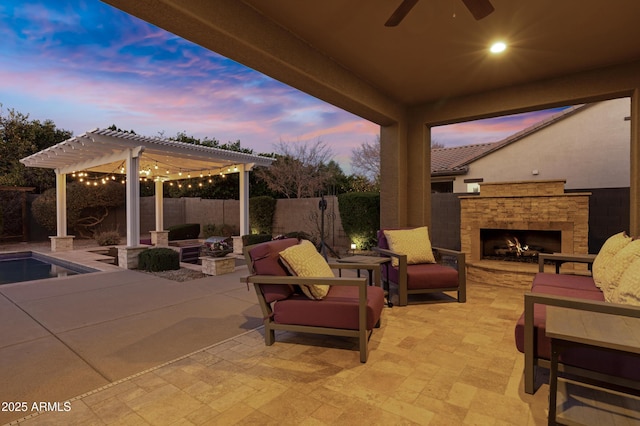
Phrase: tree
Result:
[300,170]
[365,160]
[21,137]
[436,145]
[87,206]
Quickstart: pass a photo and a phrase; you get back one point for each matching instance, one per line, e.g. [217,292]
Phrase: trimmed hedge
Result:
[186,231]
[159,259]
[261,212]
[251,239]
[224,230]
[360,216]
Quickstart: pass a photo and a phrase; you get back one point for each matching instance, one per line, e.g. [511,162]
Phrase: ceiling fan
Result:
[478,8]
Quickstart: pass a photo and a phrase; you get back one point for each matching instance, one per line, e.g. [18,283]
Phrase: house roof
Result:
[105,151]
[451,161]
[455,160]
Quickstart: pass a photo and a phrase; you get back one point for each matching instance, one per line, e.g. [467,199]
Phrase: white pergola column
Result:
[244,199]
[132,164]
[159,237]
[61,205]
[61,241]
[159,206]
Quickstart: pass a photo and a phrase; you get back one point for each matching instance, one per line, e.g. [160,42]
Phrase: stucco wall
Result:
[589,149]
[290,215]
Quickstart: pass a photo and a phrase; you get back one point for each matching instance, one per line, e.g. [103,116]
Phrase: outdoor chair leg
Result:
[269,335]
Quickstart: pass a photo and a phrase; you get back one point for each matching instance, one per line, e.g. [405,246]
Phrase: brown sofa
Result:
[577,292]
[351,307]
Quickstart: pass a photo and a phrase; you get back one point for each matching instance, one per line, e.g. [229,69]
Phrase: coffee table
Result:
[570,328]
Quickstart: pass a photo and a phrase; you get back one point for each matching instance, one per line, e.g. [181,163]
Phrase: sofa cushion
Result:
[613,245]
[265,259]
[580,282]
[338,309]
[414,243]
[617,267]
[303,260]
[628,291]
[543,348]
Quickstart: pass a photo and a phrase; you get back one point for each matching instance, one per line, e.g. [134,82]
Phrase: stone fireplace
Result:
[538,214]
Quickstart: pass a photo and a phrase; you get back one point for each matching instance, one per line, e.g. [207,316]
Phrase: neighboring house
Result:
[588,145]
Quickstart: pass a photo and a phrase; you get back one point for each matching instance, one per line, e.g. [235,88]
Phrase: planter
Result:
[217,265]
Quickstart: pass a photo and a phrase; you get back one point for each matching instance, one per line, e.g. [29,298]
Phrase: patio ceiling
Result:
[341,52]
[105,151]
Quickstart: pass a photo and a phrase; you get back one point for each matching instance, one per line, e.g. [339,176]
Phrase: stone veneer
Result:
[530,205]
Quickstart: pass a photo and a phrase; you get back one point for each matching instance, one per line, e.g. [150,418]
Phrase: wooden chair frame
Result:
[404,292]
[270,326]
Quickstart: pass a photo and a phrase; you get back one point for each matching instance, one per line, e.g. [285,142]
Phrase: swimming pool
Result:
[29,266]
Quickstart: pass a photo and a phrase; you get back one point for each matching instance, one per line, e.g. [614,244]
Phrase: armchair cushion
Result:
[414,243]
[265,259]
[338,309]
[431,275]
[303,260]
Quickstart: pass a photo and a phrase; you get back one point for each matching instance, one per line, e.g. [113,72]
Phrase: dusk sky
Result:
[85,65]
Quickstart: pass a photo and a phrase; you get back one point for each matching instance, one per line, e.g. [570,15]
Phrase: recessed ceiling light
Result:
[498,47]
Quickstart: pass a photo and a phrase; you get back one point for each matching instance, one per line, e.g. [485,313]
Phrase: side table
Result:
[581,328]
[373,265]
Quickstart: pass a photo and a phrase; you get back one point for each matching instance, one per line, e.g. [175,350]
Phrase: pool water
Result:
[27,266]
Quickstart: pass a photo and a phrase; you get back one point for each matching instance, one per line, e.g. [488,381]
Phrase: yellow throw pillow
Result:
[303,260]
[628,291]
[414,243]
[609,249]
[617,266]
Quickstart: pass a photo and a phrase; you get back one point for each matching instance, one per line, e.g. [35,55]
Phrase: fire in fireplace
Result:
[518,245]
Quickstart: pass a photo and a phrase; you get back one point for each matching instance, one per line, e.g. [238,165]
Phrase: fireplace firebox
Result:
[518,245]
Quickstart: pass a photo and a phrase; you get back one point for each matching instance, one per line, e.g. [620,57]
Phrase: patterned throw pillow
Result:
[609,249]
[617,266]
[303,260]
[628,291]
[414,243]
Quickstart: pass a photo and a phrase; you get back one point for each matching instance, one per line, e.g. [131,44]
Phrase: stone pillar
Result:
[62,243]
[128,256]
[160,238]
[237,245]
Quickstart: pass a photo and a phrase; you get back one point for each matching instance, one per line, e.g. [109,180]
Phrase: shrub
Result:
[251,239]
[261,211]
[360,215]
[299,235]
[107,238]
[159,259]
[224,230]
[186,231]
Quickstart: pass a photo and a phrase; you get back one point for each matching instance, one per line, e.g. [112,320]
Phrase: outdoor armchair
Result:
[424,273]
[350,307]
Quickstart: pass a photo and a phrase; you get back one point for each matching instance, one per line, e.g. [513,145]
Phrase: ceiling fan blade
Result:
[402,10]
[479,8]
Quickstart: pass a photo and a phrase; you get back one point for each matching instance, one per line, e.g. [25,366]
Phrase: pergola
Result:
[138,157]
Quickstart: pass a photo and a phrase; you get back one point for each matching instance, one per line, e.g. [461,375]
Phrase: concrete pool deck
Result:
[62,337]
